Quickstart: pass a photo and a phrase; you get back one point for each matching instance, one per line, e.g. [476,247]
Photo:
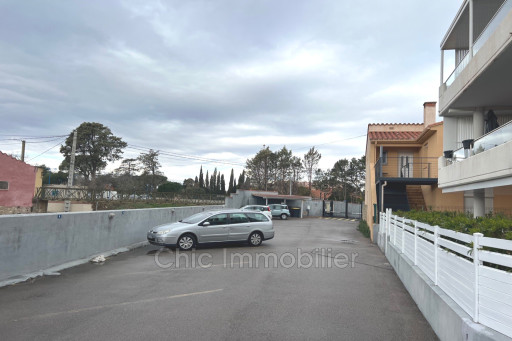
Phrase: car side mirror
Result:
[206,223]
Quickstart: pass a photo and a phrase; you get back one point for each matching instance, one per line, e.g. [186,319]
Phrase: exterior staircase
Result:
[415,198]
[395,197]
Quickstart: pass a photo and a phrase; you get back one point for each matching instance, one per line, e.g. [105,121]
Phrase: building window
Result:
[384,158]
[4,185]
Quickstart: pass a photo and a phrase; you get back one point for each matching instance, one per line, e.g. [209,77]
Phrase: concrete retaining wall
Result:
[33,242]
[447,319]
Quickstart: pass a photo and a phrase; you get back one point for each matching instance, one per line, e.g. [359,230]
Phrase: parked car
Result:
[262,208]
[280,210]
[214,227]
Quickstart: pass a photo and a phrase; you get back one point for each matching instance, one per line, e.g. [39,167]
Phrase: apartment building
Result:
[475,101]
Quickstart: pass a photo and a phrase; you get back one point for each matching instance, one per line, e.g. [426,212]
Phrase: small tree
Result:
[151,167]
[171,187]
[128,167]
[311,160]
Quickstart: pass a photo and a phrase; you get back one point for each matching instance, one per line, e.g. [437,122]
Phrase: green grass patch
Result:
[364,228]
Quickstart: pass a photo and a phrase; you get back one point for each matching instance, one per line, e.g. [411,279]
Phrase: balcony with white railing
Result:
[481,163]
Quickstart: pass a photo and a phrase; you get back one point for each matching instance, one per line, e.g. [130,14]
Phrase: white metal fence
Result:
[459,265]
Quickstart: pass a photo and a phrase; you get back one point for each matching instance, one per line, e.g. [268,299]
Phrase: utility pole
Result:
[71,173]
[22,150]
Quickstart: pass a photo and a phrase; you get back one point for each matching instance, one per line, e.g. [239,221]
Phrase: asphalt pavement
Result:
[318,279]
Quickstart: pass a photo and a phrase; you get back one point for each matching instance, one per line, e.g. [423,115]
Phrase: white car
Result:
[262,208]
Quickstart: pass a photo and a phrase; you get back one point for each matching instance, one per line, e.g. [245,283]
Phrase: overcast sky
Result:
[216,79]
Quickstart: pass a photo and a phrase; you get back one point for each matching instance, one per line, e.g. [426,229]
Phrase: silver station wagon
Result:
[214,227]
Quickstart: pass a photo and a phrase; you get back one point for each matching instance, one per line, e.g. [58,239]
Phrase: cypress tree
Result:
[201,180]
[231,178]
[222,185]
[241,179]
[213,181]
[207,182]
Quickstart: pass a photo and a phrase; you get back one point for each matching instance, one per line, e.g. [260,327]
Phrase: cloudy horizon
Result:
[216,80]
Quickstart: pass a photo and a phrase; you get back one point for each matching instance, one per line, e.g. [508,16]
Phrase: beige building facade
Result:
[402,167]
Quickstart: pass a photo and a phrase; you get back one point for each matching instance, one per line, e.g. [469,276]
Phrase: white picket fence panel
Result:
[454,261]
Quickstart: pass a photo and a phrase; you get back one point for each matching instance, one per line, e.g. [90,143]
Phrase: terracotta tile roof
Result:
[394,135]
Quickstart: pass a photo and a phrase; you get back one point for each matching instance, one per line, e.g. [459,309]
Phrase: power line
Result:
[51,140]
[33,136]
[322,144]
[23,138]
[186,156]
[46,151]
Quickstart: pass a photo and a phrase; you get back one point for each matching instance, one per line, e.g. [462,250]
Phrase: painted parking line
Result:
[224,265]
[98,307]
[340,219]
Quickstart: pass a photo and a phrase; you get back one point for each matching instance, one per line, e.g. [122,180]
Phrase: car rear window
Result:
[256,217]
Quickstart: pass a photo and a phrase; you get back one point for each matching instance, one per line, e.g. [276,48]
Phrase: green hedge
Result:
[495,226]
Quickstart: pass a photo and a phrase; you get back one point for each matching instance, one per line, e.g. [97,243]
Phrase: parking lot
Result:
[317,279]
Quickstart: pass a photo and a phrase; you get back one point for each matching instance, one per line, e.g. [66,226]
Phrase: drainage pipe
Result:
[382,195]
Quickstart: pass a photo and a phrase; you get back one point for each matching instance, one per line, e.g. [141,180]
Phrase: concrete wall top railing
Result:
[31,243]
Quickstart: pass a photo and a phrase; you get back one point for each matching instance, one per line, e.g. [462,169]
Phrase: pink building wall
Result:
[22,181]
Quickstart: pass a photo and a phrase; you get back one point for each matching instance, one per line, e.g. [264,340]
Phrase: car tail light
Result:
[268,207]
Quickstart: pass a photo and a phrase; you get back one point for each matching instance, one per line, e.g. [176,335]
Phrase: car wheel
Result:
[186,242]
[255,239]
[284,216]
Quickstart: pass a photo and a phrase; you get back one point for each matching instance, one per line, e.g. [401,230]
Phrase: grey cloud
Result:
[179,75]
